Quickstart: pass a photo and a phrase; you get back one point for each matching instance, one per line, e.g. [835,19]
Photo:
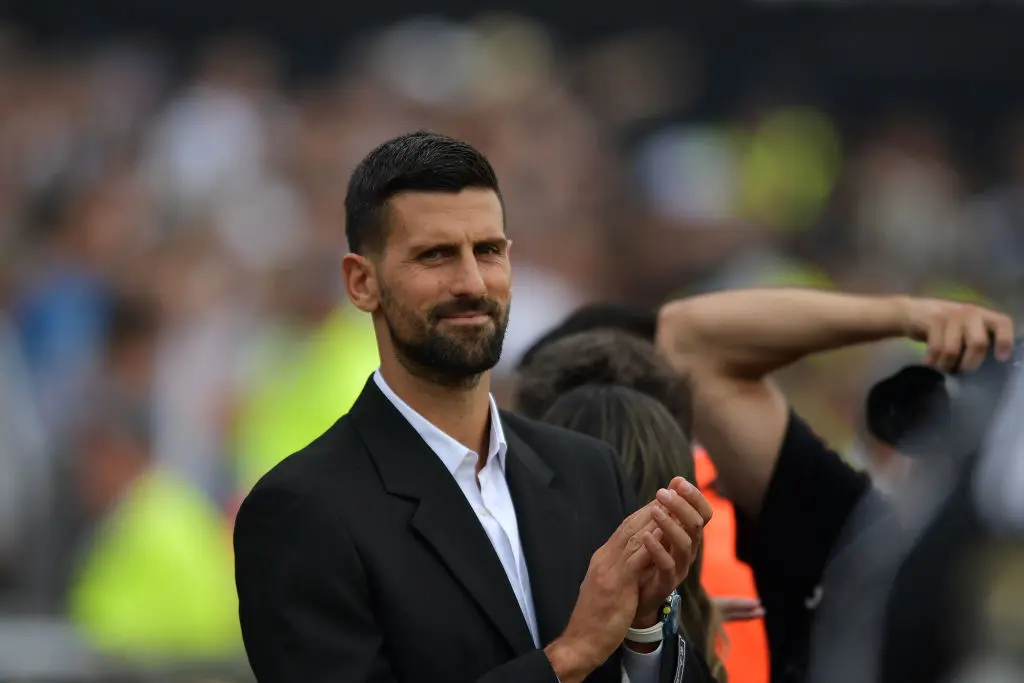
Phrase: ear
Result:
[360,275]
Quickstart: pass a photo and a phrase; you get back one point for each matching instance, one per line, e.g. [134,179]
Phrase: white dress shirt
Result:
[490,498]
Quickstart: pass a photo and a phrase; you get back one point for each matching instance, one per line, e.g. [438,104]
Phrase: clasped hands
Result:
[630,577]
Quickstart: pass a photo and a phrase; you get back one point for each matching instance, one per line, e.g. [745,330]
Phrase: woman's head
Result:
[651,445]
[652,449]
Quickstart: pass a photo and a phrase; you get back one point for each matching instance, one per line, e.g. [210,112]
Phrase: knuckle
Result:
[605,582]
[633,544]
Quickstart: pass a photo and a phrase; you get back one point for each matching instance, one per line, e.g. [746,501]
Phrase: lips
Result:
[471,314]
[468,318]
[466,310]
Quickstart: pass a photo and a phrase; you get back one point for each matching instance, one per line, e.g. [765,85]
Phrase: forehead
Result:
[417,219]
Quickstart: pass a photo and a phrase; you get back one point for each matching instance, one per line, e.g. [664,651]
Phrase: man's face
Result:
[444,283]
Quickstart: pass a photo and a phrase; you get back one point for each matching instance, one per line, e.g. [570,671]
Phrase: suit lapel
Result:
[444,519]
[548,528]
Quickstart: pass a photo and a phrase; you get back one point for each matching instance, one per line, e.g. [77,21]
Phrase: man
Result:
[428,536]
[796,499]
[613,344]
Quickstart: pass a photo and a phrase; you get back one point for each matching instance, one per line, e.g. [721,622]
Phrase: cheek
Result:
[498,280]
[416,291]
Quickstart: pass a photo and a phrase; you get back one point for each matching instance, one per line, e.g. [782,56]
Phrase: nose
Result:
[468,280]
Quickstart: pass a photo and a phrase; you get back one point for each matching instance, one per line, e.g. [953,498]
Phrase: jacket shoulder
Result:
[304,472]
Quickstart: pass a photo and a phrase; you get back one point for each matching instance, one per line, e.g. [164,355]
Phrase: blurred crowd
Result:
[172,321]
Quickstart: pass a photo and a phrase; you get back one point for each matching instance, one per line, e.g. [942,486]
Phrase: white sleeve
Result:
[641,667]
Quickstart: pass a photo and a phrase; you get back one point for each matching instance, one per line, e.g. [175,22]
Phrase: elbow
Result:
[687,337]
[682,339]
[676,337]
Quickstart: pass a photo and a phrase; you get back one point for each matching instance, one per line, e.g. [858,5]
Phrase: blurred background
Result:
[172,178]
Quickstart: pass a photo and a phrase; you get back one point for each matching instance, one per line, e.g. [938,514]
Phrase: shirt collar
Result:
[451,452]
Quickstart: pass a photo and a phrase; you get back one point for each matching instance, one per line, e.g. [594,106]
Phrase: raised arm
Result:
[729,344]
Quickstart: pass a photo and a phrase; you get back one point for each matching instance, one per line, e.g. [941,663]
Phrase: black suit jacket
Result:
[359,559]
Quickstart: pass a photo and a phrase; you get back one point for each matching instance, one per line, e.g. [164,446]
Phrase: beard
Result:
[455,357]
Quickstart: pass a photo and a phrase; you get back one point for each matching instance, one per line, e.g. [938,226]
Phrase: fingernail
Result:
[1004,354]
[659,512]
[665,495]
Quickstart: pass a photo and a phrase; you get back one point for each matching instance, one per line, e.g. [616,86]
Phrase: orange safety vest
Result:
[722,574]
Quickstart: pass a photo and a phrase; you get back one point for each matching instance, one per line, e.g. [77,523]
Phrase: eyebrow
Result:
[501,242]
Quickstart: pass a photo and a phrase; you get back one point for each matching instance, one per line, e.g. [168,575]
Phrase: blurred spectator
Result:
[157,579]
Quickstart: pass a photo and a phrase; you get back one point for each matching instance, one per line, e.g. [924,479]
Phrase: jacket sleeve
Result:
[304,603]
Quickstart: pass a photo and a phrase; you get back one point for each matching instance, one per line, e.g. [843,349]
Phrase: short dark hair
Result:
[602,357]
[635,320]
[414,162]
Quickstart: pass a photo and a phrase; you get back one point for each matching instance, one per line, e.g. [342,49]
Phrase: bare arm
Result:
[729,343]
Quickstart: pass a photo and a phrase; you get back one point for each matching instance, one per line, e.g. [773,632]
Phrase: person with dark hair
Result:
[804,515]
[427,535]
[634,320]
[568,358]
[653,448]
[605,356]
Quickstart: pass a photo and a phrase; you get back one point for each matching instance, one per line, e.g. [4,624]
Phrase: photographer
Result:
[795,498]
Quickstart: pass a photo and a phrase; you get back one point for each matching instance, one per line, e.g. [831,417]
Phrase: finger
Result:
[661,557]
[739,609]
[1001,327]
[976,343]
[936,340]
[743,615]
[951,346]
[629,528]
[635,542]
[637,563]
[694,497]
[680,507]
[736,604]
[681,540]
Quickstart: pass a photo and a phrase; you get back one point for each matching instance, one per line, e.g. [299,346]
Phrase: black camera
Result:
[923,412]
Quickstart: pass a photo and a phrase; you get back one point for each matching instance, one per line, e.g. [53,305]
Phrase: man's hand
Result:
[607,601]
[680,512]
[959,335]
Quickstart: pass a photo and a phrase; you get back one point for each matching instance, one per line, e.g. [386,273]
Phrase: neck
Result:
[462,412]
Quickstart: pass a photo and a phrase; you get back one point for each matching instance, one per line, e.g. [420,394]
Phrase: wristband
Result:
[652,634]
[666,624]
